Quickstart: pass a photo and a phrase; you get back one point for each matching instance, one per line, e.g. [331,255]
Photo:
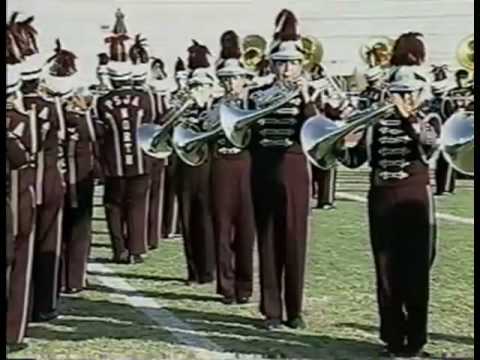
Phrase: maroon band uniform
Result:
[127,169]
[77,229]
[402,224]
[22,145]
[50,191]
[196,213]
[157,186]
[281,193]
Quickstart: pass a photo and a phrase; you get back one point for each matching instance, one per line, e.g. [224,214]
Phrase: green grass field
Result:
[340,305]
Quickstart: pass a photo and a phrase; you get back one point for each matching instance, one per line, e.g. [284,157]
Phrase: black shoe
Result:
[206,280]
[226,300]
[411,352]
[44,317]
[121,258]
[152,247]
[272,324]
[11,348]
[136,259]
[243,300]
[73,290]
[296,323]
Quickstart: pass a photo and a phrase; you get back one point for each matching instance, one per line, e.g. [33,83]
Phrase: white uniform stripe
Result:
[40,174]
[331,191]
[146,218]
[28,275]
[160,205]
[116,141]
[33,129]
[369,141]
[431,217]
[61,119]
[153,105]
[449,178]
[14,191]
[140,115]
[173,224]
[91,127]
[58,247]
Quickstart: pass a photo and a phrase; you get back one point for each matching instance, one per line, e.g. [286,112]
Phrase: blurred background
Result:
[169,25]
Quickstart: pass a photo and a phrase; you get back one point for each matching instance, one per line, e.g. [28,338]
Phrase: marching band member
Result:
[194,181]
[232,207]
[79,161]
[127,170]
[140,60]
[280,183]
[171,222]
[401,208]
[50,186]
[444,172]
[22,146]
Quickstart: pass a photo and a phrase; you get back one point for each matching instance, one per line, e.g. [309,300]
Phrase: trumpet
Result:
[457,141]
[154,139]
[191,143]
[236,122]
[321,136]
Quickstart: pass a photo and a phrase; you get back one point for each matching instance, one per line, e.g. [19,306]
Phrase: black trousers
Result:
[77,235]
[324,185]
[23,205]
[444,176]
[402,233]
[10,244]
[48,244]
[281,193]
[196,217]
[126,206]
[171,222]
[155,215]
[234,224]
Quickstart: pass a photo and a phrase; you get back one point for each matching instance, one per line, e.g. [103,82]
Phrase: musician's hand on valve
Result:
[404,107]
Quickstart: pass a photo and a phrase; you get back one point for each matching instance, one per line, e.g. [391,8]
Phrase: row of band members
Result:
[237,195]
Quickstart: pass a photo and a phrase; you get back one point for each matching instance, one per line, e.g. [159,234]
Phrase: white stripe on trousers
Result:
[14,203]
[28,279]
[58,248]
[160,205]
[146,219]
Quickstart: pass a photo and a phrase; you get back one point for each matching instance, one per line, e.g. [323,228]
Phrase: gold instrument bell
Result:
[465,53]
[377,51]
[253,51]
[313,52]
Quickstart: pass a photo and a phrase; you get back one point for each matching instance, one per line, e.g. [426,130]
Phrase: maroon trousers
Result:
[281,194]
[126,207]
[155,215]
[323,185]
[23,206]
[233,224]
[171,220]
[77,235]
[195,209]
[444,176]
[402,233]
[48,242]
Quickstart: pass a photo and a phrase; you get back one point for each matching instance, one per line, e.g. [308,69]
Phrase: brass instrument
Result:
[313,52]
[320,136]
[377,51]
[465,53]
[253,51]
[154,139]
[457,141]
[236,122]
[191,143]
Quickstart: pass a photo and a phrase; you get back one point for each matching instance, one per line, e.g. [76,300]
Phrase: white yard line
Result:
[448,217]
[183,332]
